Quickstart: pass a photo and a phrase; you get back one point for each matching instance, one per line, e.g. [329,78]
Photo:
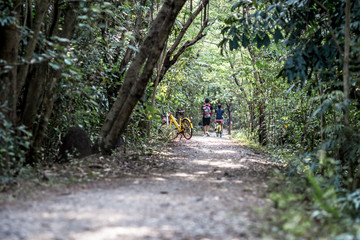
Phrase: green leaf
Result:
[55,66]
[234,43]
[278,35]
[258,41]
[133,48]
[83,17]
[232,31]
[244,41]
[67,61]
[236,5]
[266,40]
[64,40]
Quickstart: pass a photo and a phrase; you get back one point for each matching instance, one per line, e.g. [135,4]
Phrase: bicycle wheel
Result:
[173,131]
[186,128]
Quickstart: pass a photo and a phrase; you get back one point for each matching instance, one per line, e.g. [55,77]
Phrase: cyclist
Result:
[219,117]
[207,112]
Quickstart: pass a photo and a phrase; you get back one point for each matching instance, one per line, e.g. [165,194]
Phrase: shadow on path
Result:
[211,194]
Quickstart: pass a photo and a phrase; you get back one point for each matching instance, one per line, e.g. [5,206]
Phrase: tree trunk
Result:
[346,77]
[307,116]
[139,74]
[41,76]
[262,123]
[322,118]
[35,92]
[258,91]
[41,9]
[228,106]
[251,117]
[41,92]
[168,59]
[9,44]
[261,103]
[346,73]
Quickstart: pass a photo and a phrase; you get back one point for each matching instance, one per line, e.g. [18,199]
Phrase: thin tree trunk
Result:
[252,117]
[262,123]
[156,83]
[261,103]
[261,107]
[228,106]
[306,126]
[42,92]
[39,76]
[41,9]
[322,120]
[346,72]
[346,76]
[9,44]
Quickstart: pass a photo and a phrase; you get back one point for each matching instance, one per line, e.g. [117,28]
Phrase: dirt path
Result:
[211,194]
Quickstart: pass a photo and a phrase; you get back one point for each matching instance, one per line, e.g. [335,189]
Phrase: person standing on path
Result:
[220,118]
[207,112]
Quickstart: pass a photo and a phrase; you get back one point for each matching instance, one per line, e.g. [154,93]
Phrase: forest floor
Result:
[209,188]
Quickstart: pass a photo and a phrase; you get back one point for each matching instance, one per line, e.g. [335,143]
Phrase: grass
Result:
[242,138]
[280,154]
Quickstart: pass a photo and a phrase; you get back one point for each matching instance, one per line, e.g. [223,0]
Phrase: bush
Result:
[14,143]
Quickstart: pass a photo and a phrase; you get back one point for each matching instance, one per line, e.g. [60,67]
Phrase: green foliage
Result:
[307,206]
[136,138]
[309,200]
[92,68]
[349,203]
[306,113]
[324,199]
[14,143]
[6,14]
[80,105]
[304,29]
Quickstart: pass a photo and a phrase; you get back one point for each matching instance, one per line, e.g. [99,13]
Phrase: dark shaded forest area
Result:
[286,72]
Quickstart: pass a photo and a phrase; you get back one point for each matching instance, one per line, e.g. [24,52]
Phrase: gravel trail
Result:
[212,193]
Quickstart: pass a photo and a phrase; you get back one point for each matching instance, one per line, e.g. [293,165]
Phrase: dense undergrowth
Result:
[306,205]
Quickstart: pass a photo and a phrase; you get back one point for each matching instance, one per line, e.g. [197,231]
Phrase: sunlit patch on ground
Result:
[115,233]
[204,188]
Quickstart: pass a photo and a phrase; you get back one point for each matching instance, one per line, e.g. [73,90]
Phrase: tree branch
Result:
[233,69]
[186,27]
[168,62]
[187,44]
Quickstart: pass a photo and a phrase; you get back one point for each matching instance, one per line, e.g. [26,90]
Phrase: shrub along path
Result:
[211,192]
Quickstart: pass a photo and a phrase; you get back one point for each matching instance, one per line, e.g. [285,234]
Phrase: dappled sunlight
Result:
[182,174]
[255,160]
[115,233]
[104,214]
[220,163]
[159,179]
[224,151]
[195,198]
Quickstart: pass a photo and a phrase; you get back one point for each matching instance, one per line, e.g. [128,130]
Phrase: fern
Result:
[350,203]
[321,196]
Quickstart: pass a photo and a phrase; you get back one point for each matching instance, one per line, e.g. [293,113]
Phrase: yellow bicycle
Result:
[183,128]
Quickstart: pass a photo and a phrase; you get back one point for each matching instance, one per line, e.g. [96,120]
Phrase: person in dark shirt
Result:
[219,117]
[207,112]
